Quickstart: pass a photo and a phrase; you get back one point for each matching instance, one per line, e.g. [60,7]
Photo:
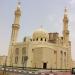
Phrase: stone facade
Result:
[40,54]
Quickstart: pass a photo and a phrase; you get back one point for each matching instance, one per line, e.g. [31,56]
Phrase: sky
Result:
[48,13]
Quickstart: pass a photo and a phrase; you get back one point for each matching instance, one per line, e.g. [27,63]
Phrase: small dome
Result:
[40,34]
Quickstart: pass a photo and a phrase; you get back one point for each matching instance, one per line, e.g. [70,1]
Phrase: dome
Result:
[40,34]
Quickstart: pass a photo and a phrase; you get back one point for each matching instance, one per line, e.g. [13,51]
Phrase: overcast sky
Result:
[48,13]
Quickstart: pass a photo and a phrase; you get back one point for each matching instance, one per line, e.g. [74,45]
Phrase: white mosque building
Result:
[42,50]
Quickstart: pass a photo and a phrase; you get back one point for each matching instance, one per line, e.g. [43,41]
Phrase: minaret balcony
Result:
[15,26]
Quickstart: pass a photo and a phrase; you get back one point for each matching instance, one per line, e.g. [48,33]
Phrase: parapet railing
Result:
[28,70]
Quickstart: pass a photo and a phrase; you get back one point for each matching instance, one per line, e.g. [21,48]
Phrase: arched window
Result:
[55,56]
[61,52]
[24,58]
[65,59]
[16,59]
[45,39]
[17,51]
[23,61]
[61,59]
[24,51]
[37,39]
[65,53]
[55,52]
[41,39]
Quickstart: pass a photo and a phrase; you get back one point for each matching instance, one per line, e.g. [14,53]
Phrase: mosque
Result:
[42,50]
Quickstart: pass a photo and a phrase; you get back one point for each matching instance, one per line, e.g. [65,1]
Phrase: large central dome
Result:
[40,34]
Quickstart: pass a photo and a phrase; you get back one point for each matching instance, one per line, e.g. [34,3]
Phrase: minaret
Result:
[16,26]
[65,29]
[66,40]
[14,35]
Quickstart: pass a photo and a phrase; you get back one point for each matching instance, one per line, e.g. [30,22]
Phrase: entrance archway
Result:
[44,65]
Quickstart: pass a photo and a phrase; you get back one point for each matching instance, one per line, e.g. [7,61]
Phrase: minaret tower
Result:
[65,29]
[14,35]
[16,26]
